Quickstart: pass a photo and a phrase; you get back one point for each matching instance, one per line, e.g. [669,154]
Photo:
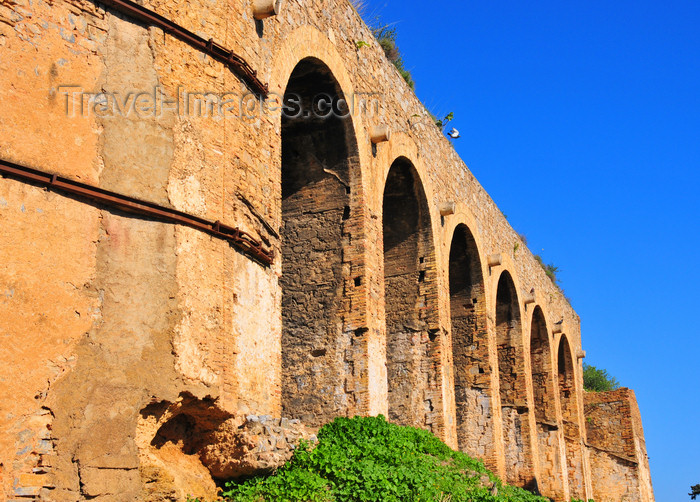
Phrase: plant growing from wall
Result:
[386,36]
[442,123]
[360,7]
[598,380]
[550,269]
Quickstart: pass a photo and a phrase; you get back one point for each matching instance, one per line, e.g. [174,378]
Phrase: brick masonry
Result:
[376,302]
[618,454]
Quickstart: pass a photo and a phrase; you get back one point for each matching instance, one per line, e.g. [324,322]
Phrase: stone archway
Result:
[513,392]
[470,347]
[548,433]
[412,344]
[320,164]
[569,411]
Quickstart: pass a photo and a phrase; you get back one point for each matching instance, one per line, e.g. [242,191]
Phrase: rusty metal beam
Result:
[237,64]
[241,240]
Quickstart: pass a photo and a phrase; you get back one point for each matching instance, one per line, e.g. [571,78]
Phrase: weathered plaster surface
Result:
[112,325]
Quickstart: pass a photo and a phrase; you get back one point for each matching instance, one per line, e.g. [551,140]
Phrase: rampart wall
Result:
[618,453]
[133,344]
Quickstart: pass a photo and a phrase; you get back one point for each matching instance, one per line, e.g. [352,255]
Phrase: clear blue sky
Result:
[582,120]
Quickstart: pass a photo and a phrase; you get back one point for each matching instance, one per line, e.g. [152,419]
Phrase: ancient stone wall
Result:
[131,345]
[619,462]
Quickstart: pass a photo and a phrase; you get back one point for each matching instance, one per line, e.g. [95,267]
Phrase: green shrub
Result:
[370,459]
[598,380]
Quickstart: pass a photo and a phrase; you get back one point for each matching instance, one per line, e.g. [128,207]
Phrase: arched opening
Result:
[412,337]
[319,164]
[551,479]
[470,348]
[511,379]
[569,411]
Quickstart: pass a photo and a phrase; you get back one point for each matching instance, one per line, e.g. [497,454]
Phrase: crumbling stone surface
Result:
[187,445]
[259,446]
[618,450]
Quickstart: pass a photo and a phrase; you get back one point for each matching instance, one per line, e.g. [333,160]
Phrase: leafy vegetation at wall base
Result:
[370,459]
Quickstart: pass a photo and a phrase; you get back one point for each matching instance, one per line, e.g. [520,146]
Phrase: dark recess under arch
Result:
[319,163]
[511,379]
[412,337]
[548,434]
[569,411]
[470,350]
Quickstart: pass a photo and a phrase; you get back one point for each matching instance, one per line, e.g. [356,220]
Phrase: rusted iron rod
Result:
[237,64]
[241,240]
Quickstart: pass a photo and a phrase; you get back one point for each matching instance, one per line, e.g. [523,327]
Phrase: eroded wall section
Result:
[619,462]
